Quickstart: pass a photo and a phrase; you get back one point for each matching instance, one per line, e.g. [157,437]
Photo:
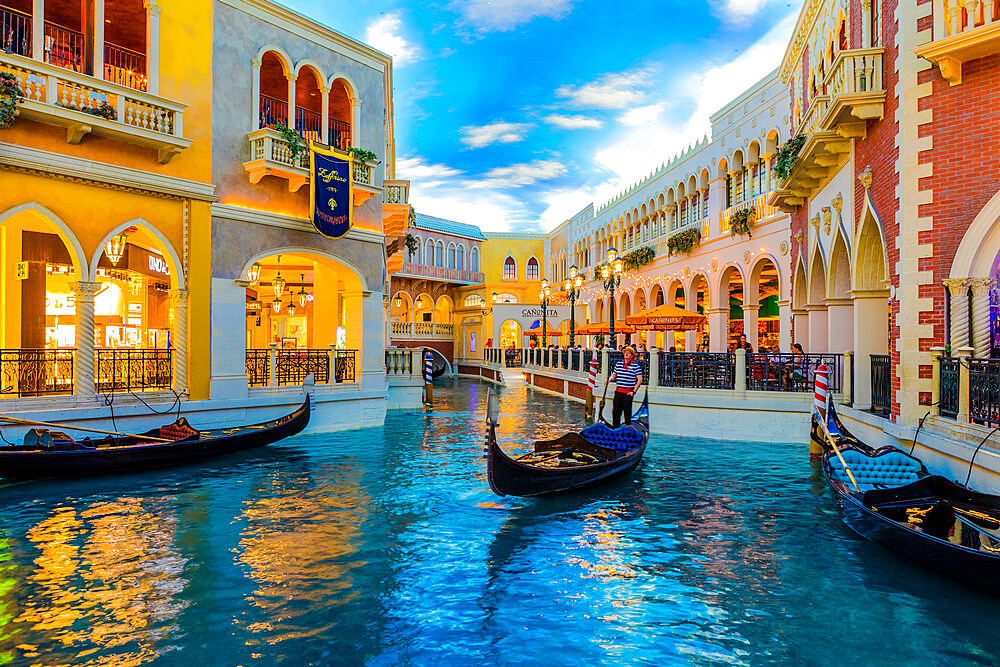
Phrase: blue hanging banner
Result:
[330,192]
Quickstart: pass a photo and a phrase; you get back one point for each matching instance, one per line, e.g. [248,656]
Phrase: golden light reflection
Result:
[602,536]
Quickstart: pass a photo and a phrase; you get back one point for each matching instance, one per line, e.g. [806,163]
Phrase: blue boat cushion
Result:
[620,439]
[887,470]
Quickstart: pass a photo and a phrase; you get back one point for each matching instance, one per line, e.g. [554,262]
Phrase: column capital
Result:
[291,77]
[255,64]
[981,286]
[956,286]
[86,290]
[152,7]
[178,296]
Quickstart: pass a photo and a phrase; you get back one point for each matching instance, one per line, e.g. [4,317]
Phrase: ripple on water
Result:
[385,546]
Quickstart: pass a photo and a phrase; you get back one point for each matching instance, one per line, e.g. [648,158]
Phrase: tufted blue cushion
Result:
[889,469]
[620,439]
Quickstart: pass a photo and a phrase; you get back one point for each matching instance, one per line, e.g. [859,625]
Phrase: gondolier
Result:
[627,375]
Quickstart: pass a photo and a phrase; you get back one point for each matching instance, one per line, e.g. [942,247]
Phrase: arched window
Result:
[429,253]
[461,257]
[506,298]
[451,256]
[509,269]
[474,259]
[472,300]
[532,269]
[439,254]
[416,253]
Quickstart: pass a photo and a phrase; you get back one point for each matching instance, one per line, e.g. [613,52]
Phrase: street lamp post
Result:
[573,286]
[543,298]
[612,275]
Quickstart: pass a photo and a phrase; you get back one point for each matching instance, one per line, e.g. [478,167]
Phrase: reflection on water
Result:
[385,546]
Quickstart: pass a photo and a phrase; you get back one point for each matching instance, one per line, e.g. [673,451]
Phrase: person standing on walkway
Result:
[627,376]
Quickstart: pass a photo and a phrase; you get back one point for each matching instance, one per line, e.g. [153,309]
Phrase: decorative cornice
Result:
[252,216]
[23,159]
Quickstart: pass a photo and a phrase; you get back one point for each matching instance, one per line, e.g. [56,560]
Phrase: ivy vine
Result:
[786,156]
[638,258]
[364,155]
[742,222]
[411,245]
[292,138]
[684,241]
[10,95]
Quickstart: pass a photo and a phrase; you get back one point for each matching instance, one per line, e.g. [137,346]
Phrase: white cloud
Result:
[525,173]
[642,115]
[609,91]
[504,15]
[738,12]
[561,204]
[418,169]
[499,132]
[573,122]
[384,34]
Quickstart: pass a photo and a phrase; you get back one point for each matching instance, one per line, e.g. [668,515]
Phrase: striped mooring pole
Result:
[588,407]
[820,393]
[428,377]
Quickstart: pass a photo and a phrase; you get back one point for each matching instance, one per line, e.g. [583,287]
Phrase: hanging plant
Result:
[786,156]
[364,155]
[742,222]
[638,258]
[413,217]
[684,241]
[599,340]
[292,138]
[411,245]
[10,95]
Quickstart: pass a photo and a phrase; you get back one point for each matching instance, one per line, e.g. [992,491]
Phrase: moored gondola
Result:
[64,457]
[573,461]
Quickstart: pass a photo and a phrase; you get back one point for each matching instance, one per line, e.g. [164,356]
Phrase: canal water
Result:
[385,547]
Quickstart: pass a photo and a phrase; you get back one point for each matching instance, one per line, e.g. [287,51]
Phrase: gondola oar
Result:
[32,422]
[829,439]
[600,408]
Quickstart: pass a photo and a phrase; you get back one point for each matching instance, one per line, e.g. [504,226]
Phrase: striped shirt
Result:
[626,376]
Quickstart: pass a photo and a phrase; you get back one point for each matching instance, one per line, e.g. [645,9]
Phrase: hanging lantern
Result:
[303,295]
[276,306]
[115,248]
[278,283]
[253,273]
[398,302]
[291,308]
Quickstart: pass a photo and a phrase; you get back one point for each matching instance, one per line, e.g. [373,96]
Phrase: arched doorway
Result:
[840,309]
[341,115]
[731,298]
[765,289]
[309,104]
[872,310]
[818,324]
[511,334]
[800,313]
[401,314]
[273,102]
[444,310]
[696,299]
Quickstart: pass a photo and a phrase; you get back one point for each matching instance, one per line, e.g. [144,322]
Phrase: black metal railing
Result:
[564,361]
[545,356]
[699,370]
[64,47]
[293,365]
[125,369]
[793,372]
[124,66]
[587,356]
[512,358]
[273,112]
[984,391]
[36,372]
[575,359]
[345,365]
[258,365]
[340,134]
[881,383]
[308,123]
[15,32]
[642,357]
[948,386]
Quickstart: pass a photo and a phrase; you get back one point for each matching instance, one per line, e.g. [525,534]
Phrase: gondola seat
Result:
[620,439]
[886,470]
[179,430]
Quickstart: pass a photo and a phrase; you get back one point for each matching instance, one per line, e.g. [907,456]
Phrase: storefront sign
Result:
[157,265]
[22,271]
[331,204]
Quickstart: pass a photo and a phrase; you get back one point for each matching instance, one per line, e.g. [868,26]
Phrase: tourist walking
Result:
[627,376]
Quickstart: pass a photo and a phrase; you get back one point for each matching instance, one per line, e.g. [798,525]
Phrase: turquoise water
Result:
[385,546]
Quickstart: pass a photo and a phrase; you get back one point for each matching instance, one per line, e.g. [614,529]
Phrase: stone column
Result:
[817,329]
[958,290]
[99,39]
[38,30]
[740,375]
[750,313]
[871,336]
[671,210]
[716,202]
[784,325]
[324,123]
[981,315]
[654,368]
[848,382]
[840,324]
[178,338]
[152,47]
[766,157]
[801,318]
[963,354]
[291,100]
[718,329]
[255,93]
[935,355]
[228,338]
[84,371]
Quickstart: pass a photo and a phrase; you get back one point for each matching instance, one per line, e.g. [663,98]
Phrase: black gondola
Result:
[893,501]
[575,460]
[69,458]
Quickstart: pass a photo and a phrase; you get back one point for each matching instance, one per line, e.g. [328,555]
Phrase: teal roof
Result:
[433,224]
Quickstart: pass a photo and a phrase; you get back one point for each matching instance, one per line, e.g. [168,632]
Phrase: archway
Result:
[872,307]
[341,114]
[766,292]
[444,310]
[818,323]
[731,299]
[309,103]
[400,311]
[840,309]
[696,299]
[511,334]
[800,313]
[273,102]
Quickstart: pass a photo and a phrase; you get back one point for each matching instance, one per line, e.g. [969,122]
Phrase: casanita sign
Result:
[537,312]
[527,314]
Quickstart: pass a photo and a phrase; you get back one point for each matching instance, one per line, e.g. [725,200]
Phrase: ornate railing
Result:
[15,32]
[273,112]
[759,205]
[340,134]
[125,67]
[345,365]
[363,173]
[399,361]
[698,370]
[984,391]
[267,144]
[396,192]
[441,272]
[64,47]
[36,372]
[258,365]
[855,71]
[642,357]
[125,369]
[512,358]
[308,123]
[960,16]
[948,387]
[881,383]
[792,372]
[292,366]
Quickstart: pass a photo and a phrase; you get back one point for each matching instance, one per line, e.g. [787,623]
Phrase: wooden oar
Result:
[32,422]
[829,439]
[600,408]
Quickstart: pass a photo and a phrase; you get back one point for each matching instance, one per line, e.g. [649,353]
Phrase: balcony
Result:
[857,94]
[762,211]
[270,155]
[422,330]
[966,30]
[822,149]
[86,105]
[395,207]
[440,273]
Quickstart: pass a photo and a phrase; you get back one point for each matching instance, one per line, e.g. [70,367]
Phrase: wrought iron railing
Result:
[642,357]
[792,372]
[64,47]
[575,359]
[125,66]
[881,383]
[273,112]
[984,391]
[293,365]
[512,358]
[700,370]
[258,365]
[948,386]
[126,369]
[36,372]
[308,123]
[345,365]
[340,134]
[587,356]
[15,32]
[564,361]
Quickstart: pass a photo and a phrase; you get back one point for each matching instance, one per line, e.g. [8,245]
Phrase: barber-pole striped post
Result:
[588,406]
[428,377]
[820,393]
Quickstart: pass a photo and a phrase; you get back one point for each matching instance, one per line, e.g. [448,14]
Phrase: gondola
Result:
[891,499]
[831,424]
[61,456]
[573,461]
